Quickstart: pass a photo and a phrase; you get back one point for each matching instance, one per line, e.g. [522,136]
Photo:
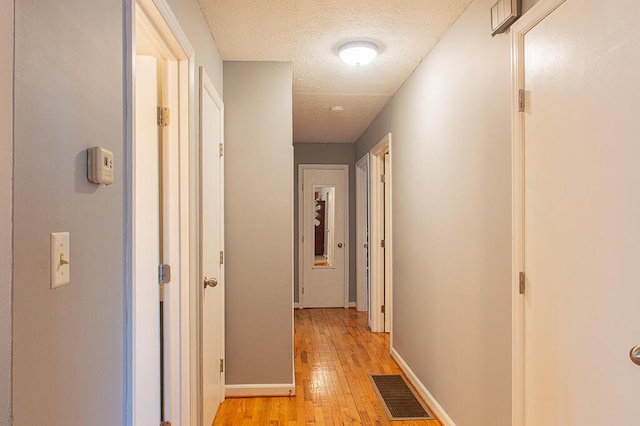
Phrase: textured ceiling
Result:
[309,32]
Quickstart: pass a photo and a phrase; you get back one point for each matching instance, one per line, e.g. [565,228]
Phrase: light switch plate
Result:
[60,270]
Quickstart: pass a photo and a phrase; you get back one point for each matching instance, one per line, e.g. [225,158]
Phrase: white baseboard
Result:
[438,411]
[296,305]
[278,389]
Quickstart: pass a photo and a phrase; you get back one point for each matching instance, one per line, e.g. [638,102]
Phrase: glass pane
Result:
[323,223]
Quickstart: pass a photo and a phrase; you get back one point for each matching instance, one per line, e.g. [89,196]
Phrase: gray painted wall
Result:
[450,125]
[258,222]
[332,153]
[195,27]
[6,171]
[68,342]
[69,352]
[528,4]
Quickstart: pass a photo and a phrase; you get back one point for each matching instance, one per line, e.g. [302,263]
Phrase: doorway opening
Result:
[159,61]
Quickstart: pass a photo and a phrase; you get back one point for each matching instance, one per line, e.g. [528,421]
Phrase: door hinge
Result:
[163,116]
[164,273]
[521,99]
[382,309]
[522,282]
[382,178]
[221,257]
[382,243]
[222,365]
[302,290]
[221,149]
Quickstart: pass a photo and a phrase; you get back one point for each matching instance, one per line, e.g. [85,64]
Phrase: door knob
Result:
[210,282]
[339,245]
[634,354]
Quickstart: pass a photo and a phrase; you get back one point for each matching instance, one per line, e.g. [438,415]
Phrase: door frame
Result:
[182,401]
[378,286]
[363,219]
[518,31]
[301,170]
[206,84]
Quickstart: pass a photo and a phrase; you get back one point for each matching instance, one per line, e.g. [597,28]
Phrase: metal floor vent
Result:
[400,402]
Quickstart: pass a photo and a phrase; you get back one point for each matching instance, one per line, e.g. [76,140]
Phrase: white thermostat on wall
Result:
[100,165]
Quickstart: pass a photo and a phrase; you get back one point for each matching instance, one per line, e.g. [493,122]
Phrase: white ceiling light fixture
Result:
[358,52]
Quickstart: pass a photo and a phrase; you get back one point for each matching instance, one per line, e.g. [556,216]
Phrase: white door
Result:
[380,188]
[387,244]
[324,244]
[211,122]
[582,215]
[362,234]
[146,222]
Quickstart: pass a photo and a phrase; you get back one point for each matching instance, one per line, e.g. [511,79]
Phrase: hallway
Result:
[334,352]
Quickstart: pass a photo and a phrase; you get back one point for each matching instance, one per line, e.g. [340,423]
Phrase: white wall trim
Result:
[284,389]
[128,59]
[518,31]
[301,169]
[424,393]
[528,21]
[296,305]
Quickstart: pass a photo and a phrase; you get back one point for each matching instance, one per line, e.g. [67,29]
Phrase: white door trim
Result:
[377,255]
[527,22]
[362,229]
[174,45]
[301,169]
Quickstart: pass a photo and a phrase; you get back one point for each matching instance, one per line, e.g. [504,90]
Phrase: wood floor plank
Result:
[334,353]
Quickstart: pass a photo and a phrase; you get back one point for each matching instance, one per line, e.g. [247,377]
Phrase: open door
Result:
[212,246]
[380,243]
[362,235]
[146,227]
[576,210]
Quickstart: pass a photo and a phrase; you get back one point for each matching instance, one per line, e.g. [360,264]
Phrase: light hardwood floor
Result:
[334,353]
